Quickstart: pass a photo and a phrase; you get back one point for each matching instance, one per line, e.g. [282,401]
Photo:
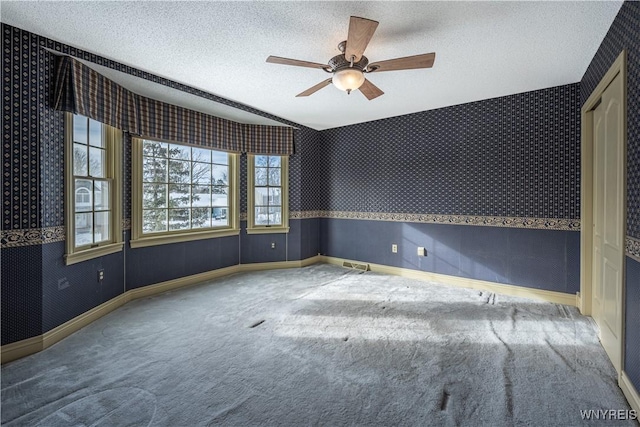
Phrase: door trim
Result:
[619,66]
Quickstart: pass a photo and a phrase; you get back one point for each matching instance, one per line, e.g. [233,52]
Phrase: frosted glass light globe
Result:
[348,79]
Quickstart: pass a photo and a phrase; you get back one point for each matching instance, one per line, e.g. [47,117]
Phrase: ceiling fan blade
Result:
[407,63]
[315,88]
[295,62]
[360,32]
[370,90]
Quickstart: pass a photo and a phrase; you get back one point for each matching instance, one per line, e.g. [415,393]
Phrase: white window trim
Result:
[113,140]
[139,240]
[252,228]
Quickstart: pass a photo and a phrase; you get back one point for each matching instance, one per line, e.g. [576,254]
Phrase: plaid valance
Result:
[159,120]
[261,139]
[81,90]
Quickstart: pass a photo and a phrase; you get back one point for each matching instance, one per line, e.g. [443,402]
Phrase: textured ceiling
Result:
[484,49]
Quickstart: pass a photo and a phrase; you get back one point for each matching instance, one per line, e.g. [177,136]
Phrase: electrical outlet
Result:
[273,245]
[394,248]
[422,251]
[101,275]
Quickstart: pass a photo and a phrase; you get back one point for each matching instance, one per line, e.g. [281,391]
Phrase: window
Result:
[267,194]
[182,193]
[92,168]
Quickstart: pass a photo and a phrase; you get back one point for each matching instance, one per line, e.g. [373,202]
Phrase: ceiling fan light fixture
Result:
[348,79]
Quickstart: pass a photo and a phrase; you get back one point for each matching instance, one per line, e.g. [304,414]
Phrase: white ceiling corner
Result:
[483,50]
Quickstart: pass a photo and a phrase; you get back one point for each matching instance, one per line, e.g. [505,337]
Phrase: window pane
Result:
[179,195]
[274,161]
[80,160]
[101,195]
[154,169]
[84,229]
[178,219]
[154,220]
[179,171]
[154,196]
[201,155]
[82,190]
[261,196]
[201,173]
[154,148]
[261,161]
[96,162]
[80,129]
[201,195]
[220,217]
[274,176]
[261,216]
[220,175]
[274,196]
[275,216]
[200,217]
[95,133]
[220,157]
[179,152]
[101,227]
[261,176]
[220,199]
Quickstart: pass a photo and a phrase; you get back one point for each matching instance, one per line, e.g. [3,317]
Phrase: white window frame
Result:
[252,227]
[112,138]
[140,239]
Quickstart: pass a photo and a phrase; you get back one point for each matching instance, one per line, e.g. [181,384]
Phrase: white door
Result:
[608,205]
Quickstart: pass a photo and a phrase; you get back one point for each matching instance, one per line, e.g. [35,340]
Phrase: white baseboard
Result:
[38,343]
[19,349]
[629,391]
[23,348]
[169,285]
[56,334]
[498,288]
[260,266]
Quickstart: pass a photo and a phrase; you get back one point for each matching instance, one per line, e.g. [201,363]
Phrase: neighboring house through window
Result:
[93,204]
[267,194]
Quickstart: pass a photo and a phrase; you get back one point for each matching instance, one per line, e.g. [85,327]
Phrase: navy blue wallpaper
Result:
[514,156]
[541,259]
[21,305]
[312,188]
[632,322]
[20,148]
[623,34]
[39,292]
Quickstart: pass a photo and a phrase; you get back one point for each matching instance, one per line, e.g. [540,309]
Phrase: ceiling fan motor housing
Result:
[339,62]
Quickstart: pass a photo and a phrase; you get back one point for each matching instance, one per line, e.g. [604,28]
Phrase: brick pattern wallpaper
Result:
[623,34]
[514,156]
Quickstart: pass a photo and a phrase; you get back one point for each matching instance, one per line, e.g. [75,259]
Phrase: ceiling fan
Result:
[351,65]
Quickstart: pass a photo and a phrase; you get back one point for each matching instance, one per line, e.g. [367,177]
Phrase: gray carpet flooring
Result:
[320,345]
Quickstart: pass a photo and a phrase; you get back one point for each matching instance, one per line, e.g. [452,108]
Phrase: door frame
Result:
[619,66]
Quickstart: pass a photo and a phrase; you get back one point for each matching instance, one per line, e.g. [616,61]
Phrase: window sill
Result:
[91,253]
[267,230]
[164,239]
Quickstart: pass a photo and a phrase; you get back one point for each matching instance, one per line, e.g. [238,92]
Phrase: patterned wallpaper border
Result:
[490,221]
[632,246]
[41,236]
[31,236]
